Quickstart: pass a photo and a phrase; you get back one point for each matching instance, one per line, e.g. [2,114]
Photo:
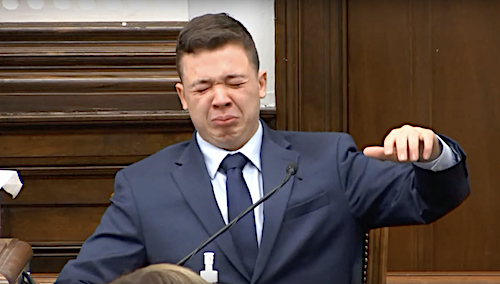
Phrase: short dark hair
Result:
[212,31]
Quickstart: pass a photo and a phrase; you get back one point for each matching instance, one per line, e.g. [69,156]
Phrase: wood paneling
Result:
[68,173]
[69,67]
[433,63]
[51,223]
[466,75]
[310,78]
[78,102]
[359,66]
[428,63]
[97,145]
[311,85]
[389,85]
[91,185]
[445,277]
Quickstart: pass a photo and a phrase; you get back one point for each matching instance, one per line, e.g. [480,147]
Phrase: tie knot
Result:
[235,161]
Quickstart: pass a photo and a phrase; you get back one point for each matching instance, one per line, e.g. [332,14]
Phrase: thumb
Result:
[376,152]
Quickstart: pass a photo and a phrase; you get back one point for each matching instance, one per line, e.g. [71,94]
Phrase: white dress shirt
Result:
[252,174]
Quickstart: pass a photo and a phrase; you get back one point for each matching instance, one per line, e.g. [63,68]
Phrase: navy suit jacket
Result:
[164,207]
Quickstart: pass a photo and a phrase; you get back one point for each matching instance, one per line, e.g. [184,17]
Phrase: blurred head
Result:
[161,274]
[221,85]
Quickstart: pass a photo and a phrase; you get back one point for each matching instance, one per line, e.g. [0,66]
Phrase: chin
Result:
[228,143]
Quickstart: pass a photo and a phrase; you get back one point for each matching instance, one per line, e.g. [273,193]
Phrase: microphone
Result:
[291,169]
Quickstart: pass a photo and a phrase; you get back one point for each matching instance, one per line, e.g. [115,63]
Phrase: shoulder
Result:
[318,139]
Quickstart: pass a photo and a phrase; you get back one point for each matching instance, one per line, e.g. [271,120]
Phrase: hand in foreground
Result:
[407,144]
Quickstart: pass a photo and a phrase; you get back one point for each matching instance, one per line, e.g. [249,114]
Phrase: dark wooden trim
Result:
[287,64]
[444,277]
[344,67]
[68,171]
[311,65]
[52,256]
[102,118]
[100,31]
[377,256]
[89,67]
[56,249]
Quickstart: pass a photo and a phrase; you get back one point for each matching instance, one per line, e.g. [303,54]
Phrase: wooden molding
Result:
[124,118]
[444,277]
[91,67]
[377,256]
[95,31]
[311,82]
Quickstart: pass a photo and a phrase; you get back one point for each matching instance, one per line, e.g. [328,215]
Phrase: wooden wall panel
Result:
[78,102]
[106,146]
[310,82]
[467,78]
[389,85]
[51,224]
[433,63]
[69,67]
[68,173]
[347,65]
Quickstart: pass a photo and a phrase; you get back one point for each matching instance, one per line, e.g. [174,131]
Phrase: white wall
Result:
[256,15]
[93,10]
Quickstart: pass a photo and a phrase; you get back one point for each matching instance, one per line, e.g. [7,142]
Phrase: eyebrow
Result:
[208,81]
[232,76]
[200,81]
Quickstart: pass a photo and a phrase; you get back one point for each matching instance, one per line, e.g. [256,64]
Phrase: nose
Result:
[221,96]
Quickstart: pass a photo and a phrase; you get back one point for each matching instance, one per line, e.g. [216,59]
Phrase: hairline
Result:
[248,54]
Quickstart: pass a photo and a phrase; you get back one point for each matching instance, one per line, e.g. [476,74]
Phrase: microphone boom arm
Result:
[290,170]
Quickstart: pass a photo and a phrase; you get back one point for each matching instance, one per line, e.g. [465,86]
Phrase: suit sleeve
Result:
[116,247]
[383,193]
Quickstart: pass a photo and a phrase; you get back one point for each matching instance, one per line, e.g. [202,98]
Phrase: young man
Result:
[310,231]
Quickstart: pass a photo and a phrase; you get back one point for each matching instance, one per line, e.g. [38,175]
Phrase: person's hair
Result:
[212,31]
[161,274]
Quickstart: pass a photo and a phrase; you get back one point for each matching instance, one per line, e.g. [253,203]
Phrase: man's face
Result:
[222,90]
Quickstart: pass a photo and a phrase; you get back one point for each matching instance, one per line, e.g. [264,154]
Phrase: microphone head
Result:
[292,168]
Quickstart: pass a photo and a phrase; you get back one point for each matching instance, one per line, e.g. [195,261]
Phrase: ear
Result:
[180,92]
[262,77]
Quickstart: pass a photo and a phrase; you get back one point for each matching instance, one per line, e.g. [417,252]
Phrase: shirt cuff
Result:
[446,160]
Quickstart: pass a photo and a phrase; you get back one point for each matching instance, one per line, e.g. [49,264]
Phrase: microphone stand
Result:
[291,169]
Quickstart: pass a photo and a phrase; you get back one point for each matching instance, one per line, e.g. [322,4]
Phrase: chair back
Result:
[375,251]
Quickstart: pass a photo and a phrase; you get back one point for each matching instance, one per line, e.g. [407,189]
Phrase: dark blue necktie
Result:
[238,199]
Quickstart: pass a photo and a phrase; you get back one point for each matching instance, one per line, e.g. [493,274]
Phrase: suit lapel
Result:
[197,190]
[275,156]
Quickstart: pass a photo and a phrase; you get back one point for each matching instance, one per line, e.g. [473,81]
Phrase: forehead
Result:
[228,58]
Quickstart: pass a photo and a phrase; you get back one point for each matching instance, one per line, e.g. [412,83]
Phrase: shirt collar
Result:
[213,156]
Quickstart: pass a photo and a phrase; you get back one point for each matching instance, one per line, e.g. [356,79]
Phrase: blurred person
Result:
[162,273]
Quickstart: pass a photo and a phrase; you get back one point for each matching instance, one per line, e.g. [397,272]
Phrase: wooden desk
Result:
[14,258]
[452,277]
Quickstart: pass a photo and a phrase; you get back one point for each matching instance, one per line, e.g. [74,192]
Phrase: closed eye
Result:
[236,84]
[201,90]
